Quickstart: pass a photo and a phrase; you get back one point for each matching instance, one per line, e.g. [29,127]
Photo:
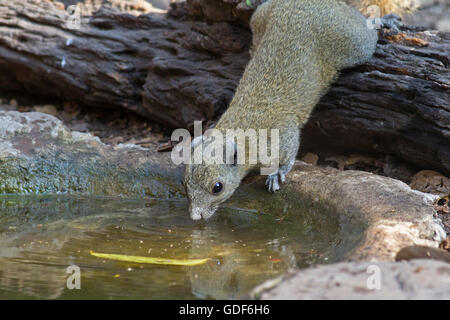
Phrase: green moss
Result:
[78,175]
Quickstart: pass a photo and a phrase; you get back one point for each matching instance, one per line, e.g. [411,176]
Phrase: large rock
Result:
[418,279]
[38,155]
[395,215]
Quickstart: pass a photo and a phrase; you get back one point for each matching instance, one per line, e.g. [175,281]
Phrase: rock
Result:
[38,155]
[417,279]
[395,216]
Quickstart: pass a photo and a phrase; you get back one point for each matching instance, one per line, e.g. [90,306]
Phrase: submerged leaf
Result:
[151,260]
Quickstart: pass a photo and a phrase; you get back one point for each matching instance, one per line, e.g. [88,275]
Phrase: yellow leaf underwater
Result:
[151,260]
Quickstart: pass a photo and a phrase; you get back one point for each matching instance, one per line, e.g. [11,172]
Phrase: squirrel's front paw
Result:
[272,182]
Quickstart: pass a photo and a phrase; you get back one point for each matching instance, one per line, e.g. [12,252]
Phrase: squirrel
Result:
[299,46]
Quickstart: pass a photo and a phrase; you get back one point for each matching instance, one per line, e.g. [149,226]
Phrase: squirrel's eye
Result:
[217,188]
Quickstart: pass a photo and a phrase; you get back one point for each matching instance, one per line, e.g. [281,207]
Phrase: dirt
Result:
[112,127]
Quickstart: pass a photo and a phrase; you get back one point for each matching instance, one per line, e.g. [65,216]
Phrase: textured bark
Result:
[398,104]
[185,66]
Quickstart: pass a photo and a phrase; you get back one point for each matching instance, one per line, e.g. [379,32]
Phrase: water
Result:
[40,236]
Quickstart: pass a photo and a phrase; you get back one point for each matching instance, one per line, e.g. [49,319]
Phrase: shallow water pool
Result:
[41,236]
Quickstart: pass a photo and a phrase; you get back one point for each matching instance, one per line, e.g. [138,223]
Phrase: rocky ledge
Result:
[38,155]
[417,279]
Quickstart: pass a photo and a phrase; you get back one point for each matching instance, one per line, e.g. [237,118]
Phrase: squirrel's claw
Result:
[272,182]
[282,176]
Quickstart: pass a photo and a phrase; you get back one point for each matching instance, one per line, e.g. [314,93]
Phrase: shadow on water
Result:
[40,236]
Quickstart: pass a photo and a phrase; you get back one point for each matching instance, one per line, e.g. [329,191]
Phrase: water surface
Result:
[40,236]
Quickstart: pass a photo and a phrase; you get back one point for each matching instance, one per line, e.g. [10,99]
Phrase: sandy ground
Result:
[112,127]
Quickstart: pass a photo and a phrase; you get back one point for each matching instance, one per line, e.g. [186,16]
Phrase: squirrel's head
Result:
[208,185]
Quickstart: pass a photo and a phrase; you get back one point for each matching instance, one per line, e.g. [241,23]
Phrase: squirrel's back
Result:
[298,48]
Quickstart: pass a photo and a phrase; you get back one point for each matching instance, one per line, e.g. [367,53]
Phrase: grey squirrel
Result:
[298,48]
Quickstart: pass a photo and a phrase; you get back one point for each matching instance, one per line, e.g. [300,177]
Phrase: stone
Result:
[416,279]
[395,215]
[38,155]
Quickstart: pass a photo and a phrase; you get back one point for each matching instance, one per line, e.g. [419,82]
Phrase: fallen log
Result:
[185,66]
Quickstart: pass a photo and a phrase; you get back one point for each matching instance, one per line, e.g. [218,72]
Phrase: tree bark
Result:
[185,66]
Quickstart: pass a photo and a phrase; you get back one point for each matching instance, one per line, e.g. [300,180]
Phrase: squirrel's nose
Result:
[196,216]
[195,213]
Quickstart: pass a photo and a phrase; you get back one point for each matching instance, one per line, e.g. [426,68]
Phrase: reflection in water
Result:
[41,236]
[22,280]
[235,267]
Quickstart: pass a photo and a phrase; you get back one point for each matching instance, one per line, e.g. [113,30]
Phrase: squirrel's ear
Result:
[231,152]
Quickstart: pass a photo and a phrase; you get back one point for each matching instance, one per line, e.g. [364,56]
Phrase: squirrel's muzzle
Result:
[197,213]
